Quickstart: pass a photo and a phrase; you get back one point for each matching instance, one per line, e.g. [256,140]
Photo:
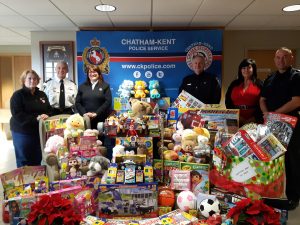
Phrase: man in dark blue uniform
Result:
[281,94]
[202,85]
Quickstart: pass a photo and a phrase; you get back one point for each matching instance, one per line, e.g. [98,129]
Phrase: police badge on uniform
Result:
[97,56]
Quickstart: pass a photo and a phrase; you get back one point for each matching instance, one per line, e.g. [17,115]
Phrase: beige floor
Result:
[8,162]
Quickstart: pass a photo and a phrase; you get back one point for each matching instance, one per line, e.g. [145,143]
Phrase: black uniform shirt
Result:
[279,89]
[204,87]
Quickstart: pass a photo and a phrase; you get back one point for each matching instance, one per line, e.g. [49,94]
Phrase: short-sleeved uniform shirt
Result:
[279,89]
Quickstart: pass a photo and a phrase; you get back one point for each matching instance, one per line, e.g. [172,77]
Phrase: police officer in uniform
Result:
[281,94]
[61,92]
[201,84]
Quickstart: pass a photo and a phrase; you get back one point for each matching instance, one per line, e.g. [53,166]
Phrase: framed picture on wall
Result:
[52,52]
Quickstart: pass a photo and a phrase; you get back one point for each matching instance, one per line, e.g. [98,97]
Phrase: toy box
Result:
[145,141]
[199,176]
[162,169]
[127,200]
[16,182]
[19,208]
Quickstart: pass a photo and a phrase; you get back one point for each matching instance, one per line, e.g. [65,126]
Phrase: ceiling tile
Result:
[175,7]
[223,7]
[127,21]
[171,21]
[29,7]
[52,21]
[250,22]
[91,21]
[15,21]
[214,21]
[269,7]
[6,11]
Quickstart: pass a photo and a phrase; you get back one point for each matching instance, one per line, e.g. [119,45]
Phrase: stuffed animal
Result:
[52,149]
[74,126]
[140,90]
[91,132]
[117,151]
[140,108]
[154,89]
[188,142]
[126,89]
[97,165]
[121,124]
[53,144]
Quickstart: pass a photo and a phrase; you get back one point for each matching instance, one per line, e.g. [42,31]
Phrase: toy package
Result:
[140,141]
[186,100]
[281,126]
[18,181]
[127,200]
[162,169]
[180,180]
[19,208]
[242,145]
[199,176]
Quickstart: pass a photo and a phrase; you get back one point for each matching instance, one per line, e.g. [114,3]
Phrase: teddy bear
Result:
[51,150]
[140,108]
[140,90]
[154,89]
[126,89]
[74,126]
[97,165]
[121,123]
[188,142]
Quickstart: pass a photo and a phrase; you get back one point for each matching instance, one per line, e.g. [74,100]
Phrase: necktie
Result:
[62,95]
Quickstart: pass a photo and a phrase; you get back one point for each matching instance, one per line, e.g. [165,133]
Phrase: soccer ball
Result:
[208,207]
[186,200]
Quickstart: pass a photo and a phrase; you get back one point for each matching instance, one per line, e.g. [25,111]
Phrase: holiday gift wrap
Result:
[251,178]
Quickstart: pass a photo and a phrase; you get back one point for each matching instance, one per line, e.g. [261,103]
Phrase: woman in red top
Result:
[244,92]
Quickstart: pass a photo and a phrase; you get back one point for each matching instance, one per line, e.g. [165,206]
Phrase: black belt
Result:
[244,107]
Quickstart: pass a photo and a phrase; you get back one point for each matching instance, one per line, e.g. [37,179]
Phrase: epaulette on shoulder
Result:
[48,80]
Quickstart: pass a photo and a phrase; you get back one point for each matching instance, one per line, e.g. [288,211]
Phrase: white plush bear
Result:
[117,150]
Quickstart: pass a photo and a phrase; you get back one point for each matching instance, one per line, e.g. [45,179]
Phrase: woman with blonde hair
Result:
[28,105]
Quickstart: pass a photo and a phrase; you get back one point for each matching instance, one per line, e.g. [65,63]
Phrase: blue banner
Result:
[147,55]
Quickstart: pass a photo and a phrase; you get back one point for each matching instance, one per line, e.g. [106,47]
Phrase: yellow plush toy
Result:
[140,90]
[74,126]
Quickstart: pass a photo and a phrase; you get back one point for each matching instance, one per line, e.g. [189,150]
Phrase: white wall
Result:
[15,50]
[37,36]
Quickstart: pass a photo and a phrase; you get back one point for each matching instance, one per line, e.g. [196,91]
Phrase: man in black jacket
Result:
[281,94]
[202,85]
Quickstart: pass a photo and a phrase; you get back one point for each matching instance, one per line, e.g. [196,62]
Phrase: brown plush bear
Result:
[140,108]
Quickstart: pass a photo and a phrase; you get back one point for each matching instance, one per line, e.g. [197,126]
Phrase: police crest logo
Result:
[96,55]
[202,49]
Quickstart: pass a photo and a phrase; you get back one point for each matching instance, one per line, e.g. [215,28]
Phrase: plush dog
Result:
[97,165]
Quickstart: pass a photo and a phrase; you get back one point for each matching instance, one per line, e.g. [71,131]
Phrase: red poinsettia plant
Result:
[254,212]
[53,210]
